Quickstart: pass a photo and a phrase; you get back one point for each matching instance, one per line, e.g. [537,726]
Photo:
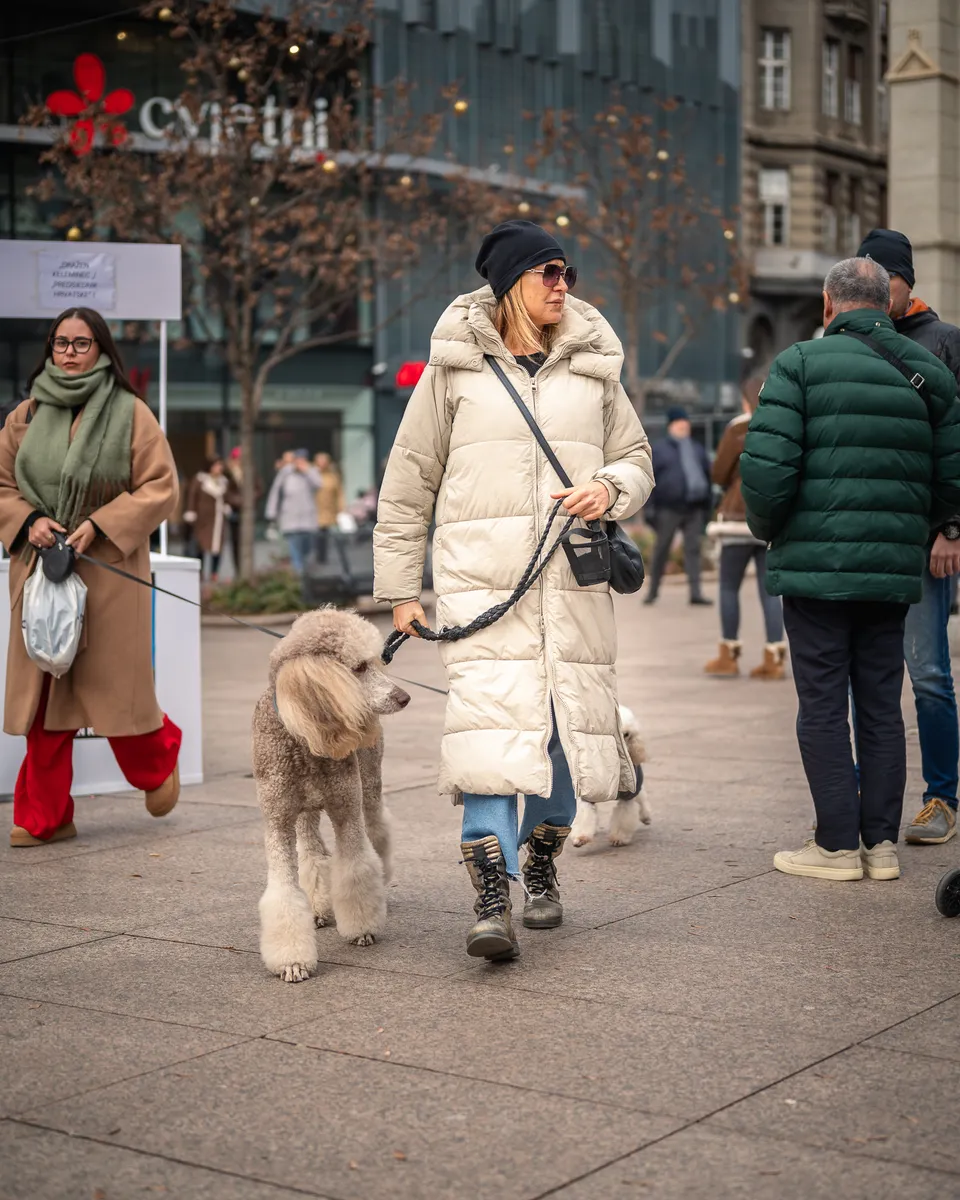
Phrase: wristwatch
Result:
[951,531]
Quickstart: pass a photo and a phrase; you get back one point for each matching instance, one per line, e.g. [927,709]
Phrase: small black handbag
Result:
[600,552]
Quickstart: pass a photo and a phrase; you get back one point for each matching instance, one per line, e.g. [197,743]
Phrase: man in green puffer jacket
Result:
[847,468]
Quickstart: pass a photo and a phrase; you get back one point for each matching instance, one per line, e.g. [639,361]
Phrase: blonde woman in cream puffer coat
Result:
[533,699]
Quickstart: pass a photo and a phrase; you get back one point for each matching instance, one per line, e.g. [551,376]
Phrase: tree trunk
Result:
[249,400]
[635,388]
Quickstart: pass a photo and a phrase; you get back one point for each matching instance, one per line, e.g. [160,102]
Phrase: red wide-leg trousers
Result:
[42,800]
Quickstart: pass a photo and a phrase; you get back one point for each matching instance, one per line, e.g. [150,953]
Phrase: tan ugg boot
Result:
[20,837]
[725,665]
[163,801]
[774,660]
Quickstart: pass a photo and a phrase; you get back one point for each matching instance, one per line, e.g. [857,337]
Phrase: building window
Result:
[831,78]
[831,209]
[852,231]
[852,88]
[774,69]
[774,188]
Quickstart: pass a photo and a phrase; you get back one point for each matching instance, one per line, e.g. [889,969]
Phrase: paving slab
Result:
[823,1106]
[201,986]
[24,939]
[616,1055]
[290,1114]
[39,1164]
[933,1032]
[700,1162]
[54,1051]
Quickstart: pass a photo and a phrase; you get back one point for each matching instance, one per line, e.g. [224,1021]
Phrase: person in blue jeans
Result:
[292,506]
[926,642]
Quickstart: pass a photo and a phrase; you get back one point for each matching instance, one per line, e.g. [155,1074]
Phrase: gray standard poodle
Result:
[317,747]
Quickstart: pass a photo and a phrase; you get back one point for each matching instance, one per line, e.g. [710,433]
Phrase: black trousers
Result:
[838,647]
[666,522]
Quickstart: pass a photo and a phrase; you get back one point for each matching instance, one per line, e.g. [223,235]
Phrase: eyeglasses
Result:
[552,274]
[81,344]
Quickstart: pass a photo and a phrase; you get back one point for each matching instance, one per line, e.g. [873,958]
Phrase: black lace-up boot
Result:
[542,908]
[492,937]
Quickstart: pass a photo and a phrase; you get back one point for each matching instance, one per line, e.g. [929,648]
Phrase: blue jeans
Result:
[734,559]
[926,648]
[483,815]
[300,543]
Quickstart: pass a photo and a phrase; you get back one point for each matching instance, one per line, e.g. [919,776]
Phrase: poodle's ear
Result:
[320,701]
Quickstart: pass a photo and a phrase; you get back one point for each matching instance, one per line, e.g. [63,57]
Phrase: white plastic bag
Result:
[53,620]
[346,522]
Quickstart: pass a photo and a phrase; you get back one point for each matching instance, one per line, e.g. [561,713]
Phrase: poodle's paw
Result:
[365,939]
[646,816]
[359,898]
[585,824]
[294,973]
[324,921]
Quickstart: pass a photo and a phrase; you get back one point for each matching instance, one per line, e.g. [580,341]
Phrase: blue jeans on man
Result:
[301,545]
[926,648]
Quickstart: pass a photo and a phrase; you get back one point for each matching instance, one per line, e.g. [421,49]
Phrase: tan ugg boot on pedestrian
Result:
[20,837]
[164,799]
[542,908]
[774,662]
[492,937]
[725,665]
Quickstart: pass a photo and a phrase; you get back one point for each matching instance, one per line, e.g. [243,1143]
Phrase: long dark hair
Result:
[101,335]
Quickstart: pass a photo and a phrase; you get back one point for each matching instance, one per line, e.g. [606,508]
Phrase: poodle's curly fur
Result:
[628,815]
[317,747]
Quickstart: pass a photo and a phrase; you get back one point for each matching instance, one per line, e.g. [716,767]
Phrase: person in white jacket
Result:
[533,702]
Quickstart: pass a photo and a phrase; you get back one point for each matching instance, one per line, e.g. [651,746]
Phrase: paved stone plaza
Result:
[700,1026]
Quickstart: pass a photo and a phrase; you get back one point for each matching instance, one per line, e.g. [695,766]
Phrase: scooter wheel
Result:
[948,894]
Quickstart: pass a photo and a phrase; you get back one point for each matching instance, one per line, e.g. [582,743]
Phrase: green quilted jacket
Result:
[845,472]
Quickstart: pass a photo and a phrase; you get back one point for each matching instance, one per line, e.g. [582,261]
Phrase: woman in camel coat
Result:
[533,698]
[207,512]
[85,456]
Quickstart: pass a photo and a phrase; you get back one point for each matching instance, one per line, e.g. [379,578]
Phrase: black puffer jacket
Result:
[922,325]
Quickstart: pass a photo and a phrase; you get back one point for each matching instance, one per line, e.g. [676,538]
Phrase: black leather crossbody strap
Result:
[531,421]
[914,378]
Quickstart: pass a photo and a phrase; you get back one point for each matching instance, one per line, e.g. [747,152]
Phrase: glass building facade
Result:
[507,59]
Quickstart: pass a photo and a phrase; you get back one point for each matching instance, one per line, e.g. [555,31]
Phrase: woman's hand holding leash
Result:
[82,537]
[41,532]
[404,616]
[588,501]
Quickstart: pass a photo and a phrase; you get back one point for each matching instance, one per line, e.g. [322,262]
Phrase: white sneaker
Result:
[881,862]
[818,863]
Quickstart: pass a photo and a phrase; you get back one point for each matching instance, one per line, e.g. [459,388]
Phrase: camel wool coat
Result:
[464,449]
[109,688]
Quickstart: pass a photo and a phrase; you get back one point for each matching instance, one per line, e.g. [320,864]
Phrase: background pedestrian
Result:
[292,504]
[207,512]
[85,456]
[846,469]
[331,500]
[926,640]
[737,551]
[680,500]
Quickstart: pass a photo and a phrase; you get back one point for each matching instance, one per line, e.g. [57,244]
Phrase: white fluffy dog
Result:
[317,747]
[628,815]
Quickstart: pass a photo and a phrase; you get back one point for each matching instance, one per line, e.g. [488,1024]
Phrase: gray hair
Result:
[858,283]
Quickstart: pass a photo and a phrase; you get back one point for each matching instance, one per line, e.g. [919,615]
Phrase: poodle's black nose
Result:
[403,698]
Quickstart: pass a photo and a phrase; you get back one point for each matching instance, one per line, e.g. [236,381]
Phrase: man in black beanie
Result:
[512,248]
[926,644]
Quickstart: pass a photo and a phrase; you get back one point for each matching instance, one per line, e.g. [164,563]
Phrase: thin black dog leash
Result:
[97,562]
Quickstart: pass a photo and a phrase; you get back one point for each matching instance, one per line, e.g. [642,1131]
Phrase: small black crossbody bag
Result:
[600,552]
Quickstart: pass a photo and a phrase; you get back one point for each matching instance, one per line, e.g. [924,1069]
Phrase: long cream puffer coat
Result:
[464,447]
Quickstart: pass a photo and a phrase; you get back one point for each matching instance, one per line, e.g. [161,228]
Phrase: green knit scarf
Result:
[69,480]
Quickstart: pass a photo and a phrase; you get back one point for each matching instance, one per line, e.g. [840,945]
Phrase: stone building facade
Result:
[924,83]
[814,157]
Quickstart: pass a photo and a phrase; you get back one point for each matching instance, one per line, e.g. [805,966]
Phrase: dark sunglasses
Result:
[553,273]
[80,344]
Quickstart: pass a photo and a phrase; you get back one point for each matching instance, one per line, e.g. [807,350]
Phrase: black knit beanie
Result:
[892,250]
[512,248]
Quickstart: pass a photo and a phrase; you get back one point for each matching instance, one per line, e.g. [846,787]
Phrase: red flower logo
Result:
[90,76]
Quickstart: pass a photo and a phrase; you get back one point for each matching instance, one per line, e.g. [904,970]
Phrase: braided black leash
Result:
[534,569]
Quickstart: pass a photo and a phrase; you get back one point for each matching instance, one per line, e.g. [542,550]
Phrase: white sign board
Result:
[77,278]
[126,281]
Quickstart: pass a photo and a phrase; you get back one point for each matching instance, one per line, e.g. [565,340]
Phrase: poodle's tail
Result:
[320,702]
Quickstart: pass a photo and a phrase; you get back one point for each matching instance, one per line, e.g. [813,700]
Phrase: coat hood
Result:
[465,333]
